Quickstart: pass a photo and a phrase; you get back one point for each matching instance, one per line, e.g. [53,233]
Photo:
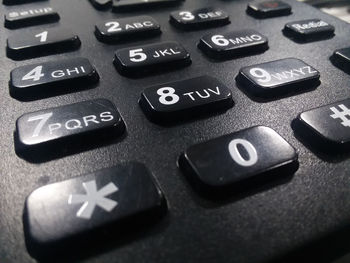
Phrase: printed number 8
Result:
[167,96]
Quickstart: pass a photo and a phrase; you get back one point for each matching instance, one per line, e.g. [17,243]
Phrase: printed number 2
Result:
[35,74]
[42,120]
[43,36]
[113,27]
[236,155]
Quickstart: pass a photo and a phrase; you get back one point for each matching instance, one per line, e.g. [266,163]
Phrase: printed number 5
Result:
[136,55]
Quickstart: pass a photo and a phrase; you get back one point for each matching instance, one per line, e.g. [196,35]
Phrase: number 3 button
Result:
[257,152]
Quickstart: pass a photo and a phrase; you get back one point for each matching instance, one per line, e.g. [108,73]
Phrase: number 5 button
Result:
[183,99]
[257,152]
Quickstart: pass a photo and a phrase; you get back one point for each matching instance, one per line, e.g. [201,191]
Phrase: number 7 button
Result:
[254,153]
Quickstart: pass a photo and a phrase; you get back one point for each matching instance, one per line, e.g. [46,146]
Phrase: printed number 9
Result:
[236,155]
[261,74]
[167,96]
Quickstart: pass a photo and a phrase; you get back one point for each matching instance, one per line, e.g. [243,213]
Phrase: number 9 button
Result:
[257,152]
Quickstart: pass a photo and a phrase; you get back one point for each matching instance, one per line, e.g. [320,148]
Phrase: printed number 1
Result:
[43,36]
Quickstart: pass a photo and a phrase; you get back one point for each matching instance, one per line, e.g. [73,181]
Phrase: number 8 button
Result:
[254,153]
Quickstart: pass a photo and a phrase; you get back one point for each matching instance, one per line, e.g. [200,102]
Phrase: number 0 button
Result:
[140,60]
[80,123]
[255,152]
[183,99]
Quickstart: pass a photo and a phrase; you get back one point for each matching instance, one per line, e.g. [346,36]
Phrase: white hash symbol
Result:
[93,198]
[343,115]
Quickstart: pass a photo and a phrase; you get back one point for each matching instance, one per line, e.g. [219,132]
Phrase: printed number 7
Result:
[43,119]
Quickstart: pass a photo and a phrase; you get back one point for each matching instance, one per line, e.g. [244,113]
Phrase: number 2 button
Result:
[184,99]
[257,152]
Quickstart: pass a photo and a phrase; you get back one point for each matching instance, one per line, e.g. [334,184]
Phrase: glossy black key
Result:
[278,78]
[237,43]
[18,2]
[183,99]
[43,78]
[267,9]
[200,18]
[308,30]
[138,61]
[127,28]
[341,58]
[329,124]
[256,152]
[30,17]
[41,42]
[101,4]
[55,128]
[113,200]
[131,5]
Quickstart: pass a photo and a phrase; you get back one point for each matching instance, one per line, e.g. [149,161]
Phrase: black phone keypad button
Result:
[267,9]
[278,78]
[58,127]
[234,158]
[308,30]
[101,4]
[237,43]
[29,17]
[41,42]
[183,99]
[200,18]
[127,28]
[330,124]
[131,5]
[137,61]
[43,78]
[109,200]
[18,2]
[341,58]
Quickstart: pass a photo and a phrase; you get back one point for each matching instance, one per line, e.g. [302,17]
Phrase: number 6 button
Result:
[183,99]
[257,152]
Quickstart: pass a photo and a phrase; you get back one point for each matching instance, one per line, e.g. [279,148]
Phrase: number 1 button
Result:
[257,152]
[40,43]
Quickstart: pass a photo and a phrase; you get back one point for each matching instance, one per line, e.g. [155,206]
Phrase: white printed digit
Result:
[262,75]
[35,74]
[187,16]
[236,155]
[43,36]
[114,26]
[42,120]
[220,40]
[136,55]
[167,96]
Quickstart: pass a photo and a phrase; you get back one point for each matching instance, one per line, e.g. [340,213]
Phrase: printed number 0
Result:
[134,53]
[114,27]
[236,155]
[35,74]
[187,16]
[262,75]
[167,92]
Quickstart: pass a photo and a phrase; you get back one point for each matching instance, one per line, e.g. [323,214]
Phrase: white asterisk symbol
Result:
[93,198]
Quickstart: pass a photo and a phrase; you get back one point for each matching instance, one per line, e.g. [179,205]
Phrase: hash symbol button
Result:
[329,124]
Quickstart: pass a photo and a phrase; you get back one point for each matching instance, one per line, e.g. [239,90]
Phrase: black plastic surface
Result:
[258,225]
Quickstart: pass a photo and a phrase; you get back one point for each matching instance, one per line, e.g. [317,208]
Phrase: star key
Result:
[113,200]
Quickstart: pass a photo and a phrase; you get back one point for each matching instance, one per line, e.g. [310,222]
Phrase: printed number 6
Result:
[236,155]
[136,55]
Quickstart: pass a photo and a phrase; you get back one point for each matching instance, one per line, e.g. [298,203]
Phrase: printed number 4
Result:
[42,120]
[35,74]
[43,36]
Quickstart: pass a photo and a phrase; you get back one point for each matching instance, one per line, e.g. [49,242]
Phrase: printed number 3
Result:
[236,155]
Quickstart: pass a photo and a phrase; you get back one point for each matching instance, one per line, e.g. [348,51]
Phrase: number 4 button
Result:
[255,153]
